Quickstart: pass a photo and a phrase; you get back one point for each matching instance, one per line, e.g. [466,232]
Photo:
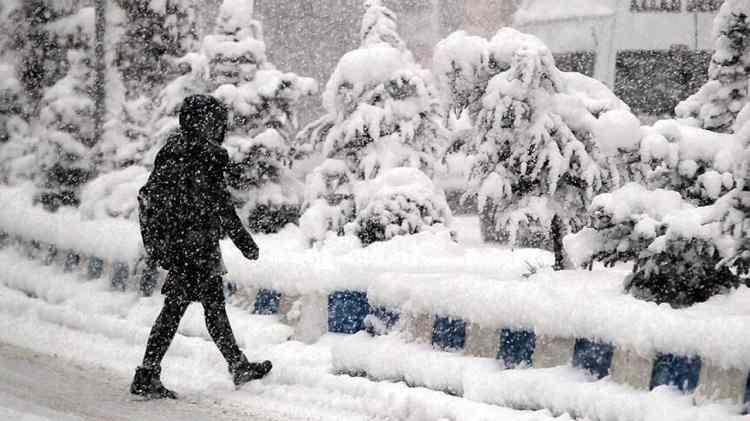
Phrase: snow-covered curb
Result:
[561,389]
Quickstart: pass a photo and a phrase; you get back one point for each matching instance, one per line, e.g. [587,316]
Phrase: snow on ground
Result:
[46,311]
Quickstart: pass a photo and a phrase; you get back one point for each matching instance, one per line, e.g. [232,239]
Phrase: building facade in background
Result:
[620,42]
[653,53]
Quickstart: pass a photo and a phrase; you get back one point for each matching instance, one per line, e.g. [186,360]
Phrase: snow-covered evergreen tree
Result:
[718,102]
[382,113]
[67,135]
[156,34]
[16,143]
[262,104]
[546,142]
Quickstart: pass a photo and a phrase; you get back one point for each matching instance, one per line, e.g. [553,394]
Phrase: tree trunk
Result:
[557,232]
[101,71]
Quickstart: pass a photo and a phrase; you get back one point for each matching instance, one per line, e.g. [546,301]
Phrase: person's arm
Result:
[231,224]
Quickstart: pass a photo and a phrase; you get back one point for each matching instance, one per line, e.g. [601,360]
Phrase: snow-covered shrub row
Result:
[716,105]
[382,114]
[544,141]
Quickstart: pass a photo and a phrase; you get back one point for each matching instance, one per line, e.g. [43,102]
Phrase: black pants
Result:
[166,325]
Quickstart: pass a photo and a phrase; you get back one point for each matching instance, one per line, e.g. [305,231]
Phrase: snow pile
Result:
[112,239]
[114,195]
[381,114]
[716,105]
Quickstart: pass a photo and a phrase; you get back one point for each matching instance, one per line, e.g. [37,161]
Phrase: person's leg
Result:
[163,331]
[220,330]
[147,379]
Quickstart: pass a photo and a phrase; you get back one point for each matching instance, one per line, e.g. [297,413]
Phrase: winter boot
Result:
[244,371]
[147,383]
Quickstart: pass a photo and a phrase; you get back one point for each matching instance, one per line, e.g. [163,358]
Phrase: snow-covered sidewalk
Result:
[83,323]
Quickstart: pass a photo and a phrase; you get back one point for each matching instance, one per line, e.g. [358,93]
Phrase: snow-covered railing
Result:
[427,290]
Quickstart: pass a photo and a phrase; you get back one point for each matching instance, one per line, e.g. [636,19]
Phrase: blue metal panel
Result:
[347,311]
[448,333]
[676,370]
[387,316]
[120,275]
[596,357]
[95,267]
[72,260]
[747,397]
[516,347]
[267,302]
[149,280]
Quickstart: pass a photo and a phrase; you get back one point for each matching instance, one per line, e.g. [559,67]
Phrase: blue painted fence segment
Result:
[448,333]
[387,316]
[347,311]
[676,370]
[516,347]
[267,302]
[95,267]
[72,260]
[120,275]
[593,356]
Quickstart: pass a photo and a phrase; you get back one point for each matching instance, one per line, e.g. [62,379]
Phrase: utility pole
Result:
[100,68]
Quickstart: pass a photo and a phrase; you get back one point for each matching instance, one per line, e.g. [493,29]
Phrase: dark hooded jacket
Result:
[192,165]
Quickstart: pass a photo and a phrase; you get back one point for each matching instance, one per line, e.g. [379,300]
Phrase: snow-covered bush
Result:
[546,142]
[402,201]
[329,200]
[382,110]
[686,218]
[717,103]
[114,194]
[63,153]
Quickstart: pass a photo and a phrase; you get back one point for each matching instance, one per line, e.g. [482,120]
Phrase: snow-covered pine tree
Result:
[156,34]
[262,103]
[67,135]
[546,142]
[382,113]
[16,143]
[717,103]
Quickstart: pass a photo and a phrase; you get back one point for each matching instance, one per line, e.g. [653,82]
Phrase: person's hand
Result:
[252,254]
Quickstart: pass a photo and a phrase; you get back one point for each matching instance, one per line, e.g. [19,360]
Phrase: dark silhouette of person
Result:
[188,187]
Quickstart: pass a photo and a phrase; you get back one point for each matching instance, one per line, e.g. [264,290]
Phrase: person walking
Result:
[185,209]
